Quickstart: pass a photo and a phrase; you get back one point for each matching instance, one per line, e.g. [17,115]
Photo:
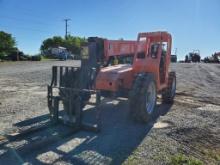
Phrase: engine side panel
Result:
[114,78]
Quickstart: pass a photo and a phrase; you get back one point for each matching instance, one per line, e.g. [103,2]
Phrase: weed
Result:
[180,159]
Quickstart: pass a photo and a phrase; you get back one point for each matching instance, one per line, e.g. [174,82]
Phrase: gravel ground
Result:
[191,126]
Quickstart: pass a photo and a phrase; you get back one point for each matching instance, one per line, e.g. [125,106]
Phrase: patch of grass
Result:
[213,154]
[45,58]
[159,157]
[180,159]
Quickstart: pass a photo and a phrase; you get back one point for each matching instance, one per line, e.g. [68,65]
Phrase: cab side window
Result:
[154,50]
[164,48]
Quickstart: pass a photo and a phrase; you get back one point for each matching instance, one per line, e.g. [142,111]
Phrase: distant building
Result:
[60,53]
[217,53]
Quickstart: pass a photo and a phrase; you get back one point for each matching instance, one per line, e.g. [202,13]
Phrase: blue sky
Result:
[194,24]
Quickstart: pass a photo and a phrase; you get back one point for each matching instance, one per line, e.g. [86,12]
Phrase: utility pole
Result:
[66,26]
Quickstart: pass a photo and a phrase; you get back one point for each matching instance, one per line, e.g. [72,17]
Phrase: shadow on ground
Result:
[117,140]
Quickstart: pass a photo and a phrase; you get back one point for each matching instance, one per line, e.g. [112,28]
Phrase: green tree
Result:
[52,42]
[72,44]
[7,44]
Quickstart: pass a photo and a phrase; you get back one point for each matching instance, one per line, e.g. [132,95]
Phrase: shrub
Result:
[36,58]
[182,159]
[2,55]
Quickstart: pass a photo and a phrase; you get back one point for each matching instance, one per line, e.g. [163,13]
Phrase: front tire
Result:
[143,98]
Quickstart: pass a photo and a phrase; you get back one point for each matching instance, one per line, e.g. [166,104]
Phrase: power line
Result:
[66,26]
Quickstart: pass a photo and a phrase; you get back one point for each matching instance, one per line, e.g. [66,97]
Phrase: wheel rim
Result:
[151,97]
[173,89]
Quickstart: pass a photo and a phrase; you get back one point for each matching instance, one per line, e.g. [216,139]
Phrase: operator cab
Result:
[154,56]
[122,59]
[158,51]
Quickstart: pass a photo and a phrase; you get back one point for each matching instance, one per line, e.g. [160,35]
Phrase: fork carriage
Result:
[66,90]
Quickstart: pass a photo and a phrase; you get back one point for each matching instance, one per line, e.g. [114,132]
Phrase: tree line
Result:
[8,45]
[71,43]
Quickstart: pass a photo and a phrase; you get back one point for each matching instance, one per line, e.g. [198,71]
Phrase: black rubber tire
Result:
[168,94]
[138,98]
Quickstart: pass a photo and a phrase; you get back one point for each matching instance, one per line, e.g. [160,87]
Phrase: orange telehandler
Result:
[137,70]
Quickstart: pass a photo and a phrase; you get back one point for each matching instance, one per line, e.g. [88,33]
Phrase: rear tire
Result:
[169,93]
[143,97]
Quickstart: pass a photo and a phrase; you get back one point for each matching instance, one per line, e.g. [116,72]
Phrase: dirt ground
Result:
[189,127]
